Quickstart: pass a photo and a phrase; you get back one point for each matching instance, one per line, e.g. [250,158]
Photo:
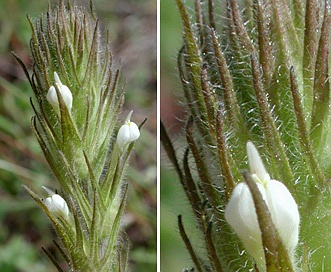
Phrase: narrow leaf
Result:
[304,138]
[270,131]
[167,144]
[231,103]
[188,245]
[55,262]
[320,111]
[211,193]
[112,241]
[228,178]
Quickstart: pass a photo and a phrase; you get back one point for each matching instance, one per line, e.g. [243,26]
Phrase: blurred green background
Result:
[24,229]
[173,201]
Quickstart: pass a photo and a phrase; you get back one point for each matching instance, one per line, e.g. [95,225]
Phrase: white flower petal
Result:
[57,79]
[255,163]
[284,213]
[49,191]
[123,136]
[134,132]
[241,215]
[52,96]
[66,96]
[128,117]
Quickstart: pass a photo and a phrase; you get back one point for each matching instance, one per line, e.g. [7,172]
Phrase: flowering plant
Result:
[256,72]
[77,102]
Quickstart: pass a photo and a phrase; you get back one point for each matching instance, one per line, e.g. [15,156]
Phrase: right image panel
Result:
[246,148]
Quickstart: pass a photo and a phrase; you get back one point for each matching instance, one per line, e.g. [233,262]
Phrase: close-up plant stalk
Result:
[255,158]
[79,95]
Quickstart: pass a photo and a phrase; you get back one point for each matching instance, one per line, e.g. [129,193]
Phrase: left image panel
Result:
[78,135]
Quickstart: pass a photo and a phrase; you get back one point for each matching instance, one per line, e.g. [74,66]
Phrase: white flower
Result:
[128,133]
[240,212]
[56,204]
[65,93]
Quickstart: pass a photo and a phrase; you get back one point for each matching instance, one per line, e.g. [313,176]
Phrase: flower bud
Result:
[56,204]
[241,215]
[65,93]
[128,133]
